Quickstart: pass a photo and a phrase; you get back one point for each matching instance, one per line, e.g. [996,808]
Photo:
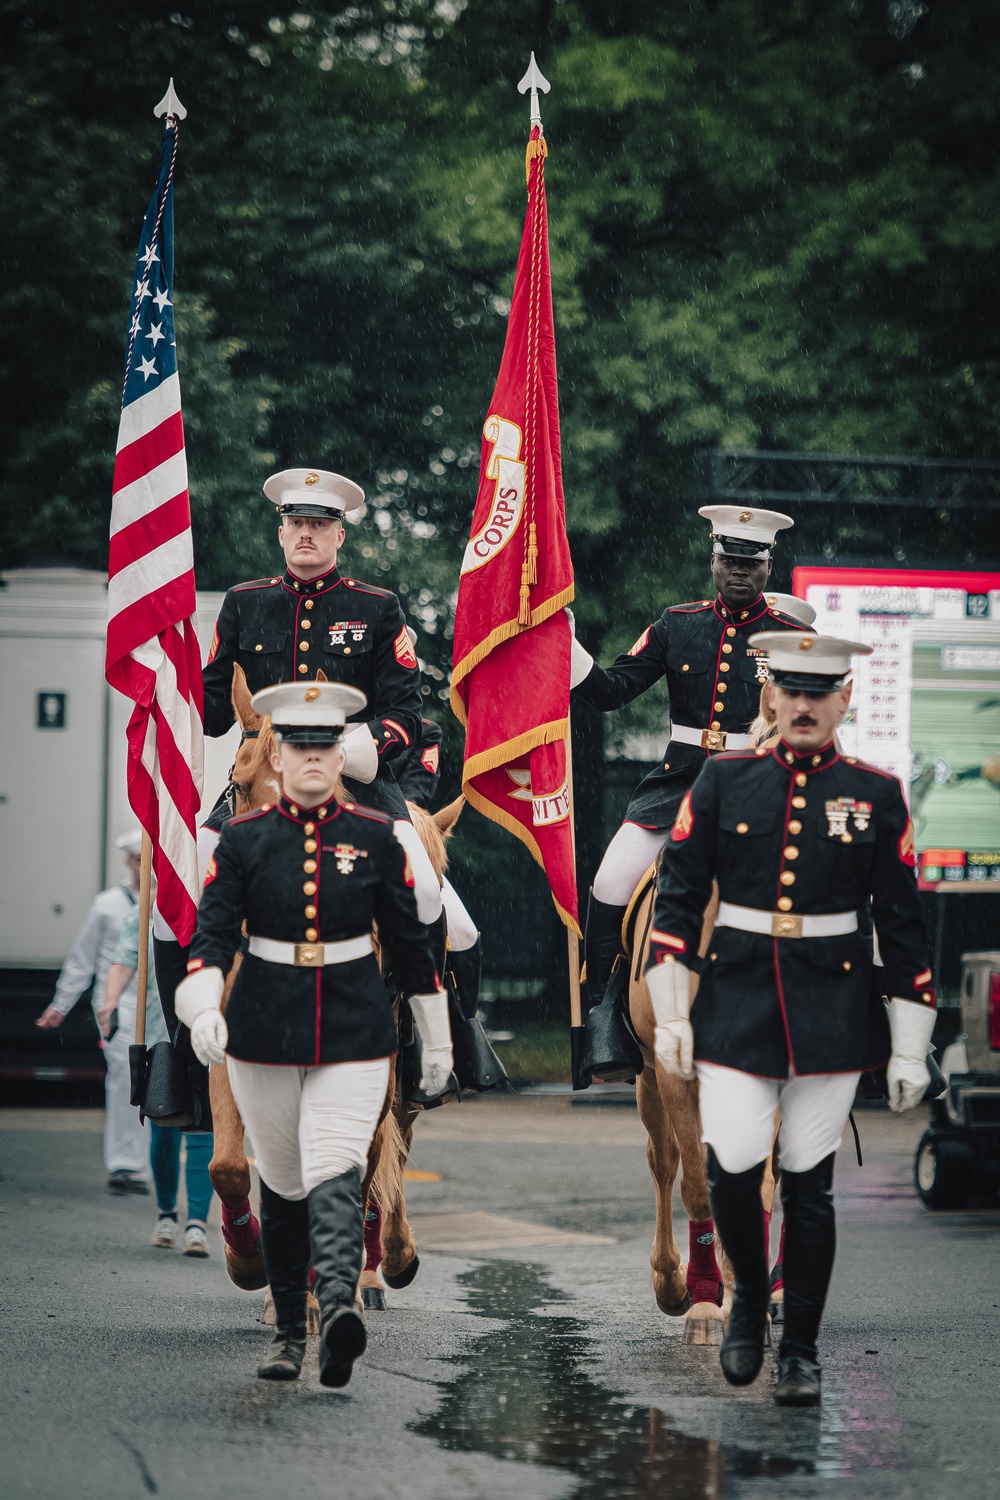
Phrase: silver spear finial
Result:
[534,81]
[170,104]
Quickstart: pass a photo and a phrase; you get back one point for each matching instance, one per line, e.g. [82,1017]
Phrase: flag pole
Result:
[577,1030]
[534,82]
[142,970]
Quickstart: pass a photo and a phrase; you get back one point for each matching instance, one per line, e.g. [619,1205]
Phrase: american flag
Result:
[153,654]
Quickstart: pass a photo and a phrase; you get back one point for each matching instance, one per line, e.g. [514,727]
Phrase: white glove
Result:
[430,1017]
[670,991]
[196,1003]
[209,1036]
[581,664]
[910,1025]
[571,617]
[361,761]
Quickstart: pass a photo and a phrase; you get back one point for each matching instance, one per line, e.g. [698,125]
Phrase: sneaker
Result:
[195,1240]
[165,1233]
[123,1181]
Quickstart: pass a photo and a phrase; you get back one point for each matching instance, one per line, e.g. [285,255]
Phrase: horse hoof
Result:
[247,1273]
[312,1315]
[675,1309]
[704,1324]
[403,1277]
[373,1298]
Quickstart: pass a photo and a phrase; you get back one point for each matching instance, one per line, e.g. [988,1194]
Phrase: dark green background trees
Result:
[773,224]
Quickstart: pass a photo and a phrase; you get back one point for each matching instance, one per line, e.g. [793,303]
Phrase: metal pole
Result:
[142,971]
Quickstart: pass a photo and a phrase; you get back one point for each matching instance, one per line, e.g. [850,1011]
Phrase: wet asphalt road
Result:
[527,1358]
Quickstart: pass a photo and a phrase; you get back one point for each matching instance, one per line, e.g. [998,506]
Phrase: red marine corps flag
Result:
[153,654]
[510,683]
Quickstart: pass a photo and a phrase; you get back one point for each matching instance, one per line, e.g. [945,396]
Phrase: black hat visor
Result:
[816,684]
[308,734]
[320,512]
[738,546]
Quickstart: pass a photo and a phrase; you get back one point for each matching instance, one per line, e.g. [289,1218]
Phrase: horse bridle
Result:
[230,792]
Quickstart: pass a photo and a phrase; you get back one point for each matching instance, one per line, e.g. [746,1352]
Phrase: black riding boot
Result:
[737,1213]
[476,1064]
[810,1247]
[336,1230]
[609,1052]
[284,1232]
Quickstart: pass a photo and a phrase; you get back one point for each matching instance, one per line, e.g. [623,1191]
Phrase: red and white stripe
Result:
[153,653]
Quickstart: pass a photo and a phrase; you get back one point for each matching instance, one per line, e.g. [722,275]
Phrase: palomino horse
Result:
[668,1108]
[253,781]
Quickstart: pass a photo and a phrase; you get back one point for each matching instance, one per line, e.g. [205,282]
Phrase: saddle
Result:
[634,941]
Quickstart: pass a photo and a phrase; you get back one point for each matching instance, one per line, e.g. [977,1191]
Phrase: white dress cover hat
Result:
[313,492]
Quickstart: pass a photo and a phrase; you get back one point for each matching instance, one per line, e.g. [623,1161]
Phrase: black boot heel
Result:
[342,1339]
[285,1354]
[799,1381]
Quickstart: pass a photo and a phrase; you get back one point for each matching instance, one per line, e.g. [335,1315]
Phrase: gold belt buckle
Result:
[784,924]
[308,955]
[713,739]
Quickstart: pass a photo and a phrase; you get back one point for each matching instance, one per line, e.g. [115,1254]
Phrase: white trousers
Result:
[126,1141]
[462,930]
[626,860]
[307,1125]
[737,1116]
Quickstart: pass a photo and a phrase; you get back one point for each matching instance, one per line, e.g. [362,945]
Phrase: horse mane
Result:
[431,837]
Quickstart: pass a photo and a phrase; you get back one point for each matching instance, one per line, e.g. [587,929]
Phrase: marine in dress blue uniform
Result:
[285,628]
[713,674]
[292,628]
[789,1009]
[309,1030]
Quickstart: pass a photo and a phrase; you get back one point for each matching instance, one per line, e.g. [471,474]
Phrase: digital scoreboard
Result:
[926,704]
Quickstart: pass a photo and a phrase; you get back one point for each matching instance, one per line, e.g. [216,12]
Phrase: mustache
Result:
[803,721]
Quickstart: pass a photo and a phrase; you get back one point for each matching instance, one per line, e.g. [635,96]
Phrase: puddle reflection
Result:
[525,1394]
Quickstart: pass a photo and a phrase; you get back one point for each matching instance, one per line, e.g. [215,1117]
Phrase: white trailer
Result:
[63,795]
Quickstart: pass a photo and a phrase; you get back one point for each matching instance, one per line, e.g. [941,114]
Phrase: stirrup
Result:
[610,1052]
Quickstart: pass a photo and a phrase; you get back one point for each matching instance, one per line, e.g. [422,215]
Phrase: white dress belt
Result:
[709,739]
[785,923]
[311,955]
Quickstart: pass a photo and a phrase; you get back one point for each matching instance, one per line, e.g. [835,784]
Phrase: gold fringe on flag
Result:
[535,148]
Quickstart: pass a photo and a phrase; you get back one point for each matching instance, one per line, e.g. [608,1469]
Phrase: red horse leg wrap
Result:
[704,1279]
[373,1239]
[777,1279]
[241,1229]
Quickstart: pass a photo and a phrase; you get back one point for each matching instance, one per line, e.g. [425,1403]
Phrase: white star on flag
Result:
[147,367]
[155,333]
[148,256]
[162,300]
[142,289]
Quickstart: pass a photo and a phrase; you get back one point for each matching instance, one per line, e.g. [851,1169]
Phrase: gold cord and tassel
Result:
[532,563]
[535,149]
[523,609]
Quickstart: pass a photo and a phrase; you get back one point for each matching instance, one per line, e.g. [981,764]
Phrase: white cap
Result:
[807,663]
[742,531]
[131,842]
[313,713]
[313,492]
[791,604]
